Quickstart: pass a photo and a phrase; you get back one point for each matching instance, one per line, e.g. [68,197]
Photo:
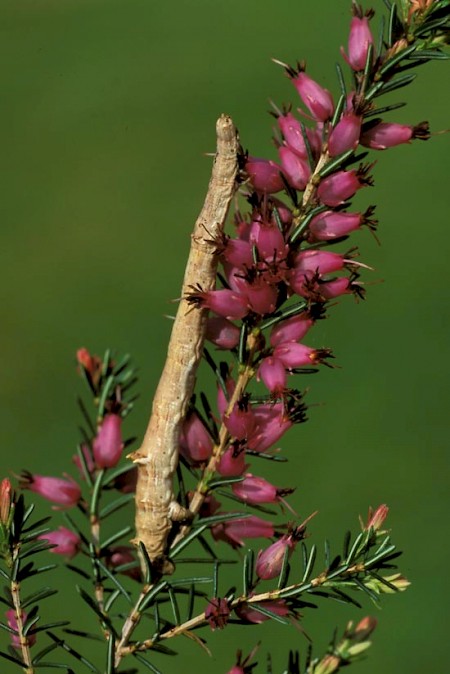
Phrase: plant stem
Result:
[201,490]
[24,642]
[344,572]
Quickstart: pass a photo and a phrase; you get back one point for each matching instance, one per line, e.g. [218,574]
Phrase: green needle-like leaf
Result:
[62,644]
[146,663]
[174,604]
[93,606]
[269,614]
[115,505]
[113,578]
[110,669]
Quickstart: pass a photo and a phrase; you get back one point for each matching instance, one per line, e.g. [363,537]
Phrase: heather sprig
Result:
[280,273]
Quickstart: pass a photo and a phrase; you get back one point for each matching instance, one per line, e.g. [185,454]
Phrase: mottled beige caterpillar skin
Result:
[157,458]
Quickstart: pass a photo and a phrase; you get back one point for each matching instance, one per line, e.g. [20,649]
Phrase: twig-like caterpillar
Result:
[157,458]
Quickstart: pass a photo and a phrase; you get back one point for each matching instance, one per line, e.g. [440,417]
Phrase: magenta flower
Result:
[232,462]
[222,333]
[246,611]
[318,100]
[64,492]
[195,442]
[270,561]
[234,532]
[388,134]
[66,542]
[292,132]
[240,423]
[238,253]
[334,224]
[256,490]
[268,240]
[340,286]
[11,619]
[124,554]
[271,425]
[217,613]
[345,135]
[273,374]
[294,355]
[292,329]
[360,38]
[340,186]
[264,175]
[295,168]
[107,446]
[224,302]
[310,262]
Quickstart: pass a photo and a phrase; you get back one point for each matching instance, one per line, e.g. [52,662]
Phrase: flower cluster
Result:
[101,449]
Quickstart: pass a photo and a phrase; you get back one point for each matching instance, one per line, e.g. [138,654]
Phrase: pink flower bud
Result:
[6,500]
[345,135]
[271,425]
[217,613]
[262,297]
[235,531]
[386,134]
[358,43]
[318,100]
[294,355]
[232,462]
[264,175]
[222,333]
[309,262]
[375,520]
[340,186]
[120,555]
[364,628]
[66,542]
[91,364]
[295,168]
[268,240]
[241,421]
[292,329]
[238,253]
[284,213]
[340,286]
[195,442]
[256,490]
[11,618]
[292,132]
[107,446]
[332,225]
[273,374]
[224,302]
[65,493]
[270,561]
[246,611]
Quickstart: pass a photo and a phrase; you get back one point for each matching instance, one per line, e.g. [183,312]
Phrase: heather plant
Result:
[249,305]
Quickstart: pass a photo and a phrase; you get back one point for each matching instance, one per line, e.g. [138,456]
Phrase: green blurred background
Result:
[108,107]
